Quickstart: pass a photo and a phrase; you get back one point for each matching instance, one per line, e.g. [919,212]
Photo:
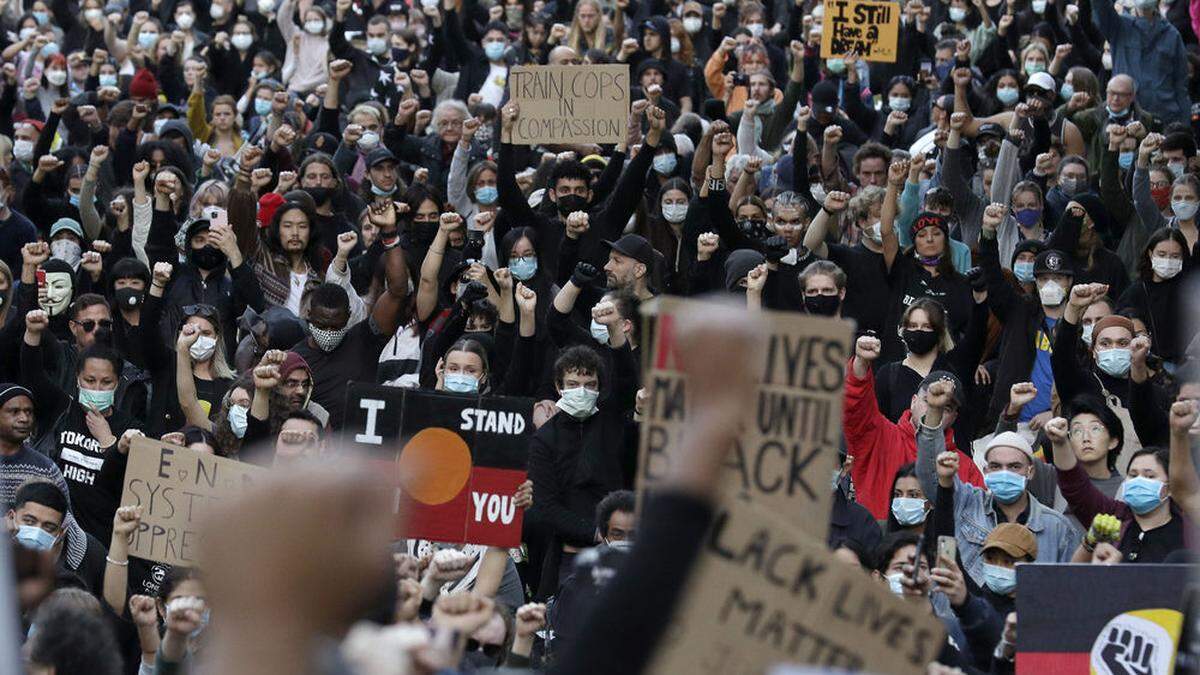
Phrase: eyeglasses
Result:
[89,325]
[297,384]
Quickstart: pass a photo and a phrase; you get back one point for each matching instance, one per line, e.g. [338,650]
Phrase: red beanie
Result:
[291,362]
[267,205]
[143,85]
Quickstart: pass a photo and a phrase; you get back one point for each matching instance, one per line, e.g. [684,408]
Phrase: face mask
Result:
[238,420]
[874,232]
[242,41]
[599,332]
[1166,268]
[185,21]
[327,340]
[320,195]
[692,24]
[1066,91]
[73,199]
[578,402]
[929,260]
[1051,294]
[377,46]
[570,204]
[147,40]
[1032,67]
[1185,210]
[128,298]
[675,45]
[523,268]
[34,537]
[368,142]
[487,194]
[265,6]
[1007,95]
[42,18]
[314,27]
[23,150]
[835,66]
[96,398]
[93,14]
[461,383]
[957,14]
[1069,186]
[262,107]
[108,80]
[920,341]
[1006,486]
[1161,197]
[399,55]
[380,192]
[1146,4]
[1023,271]
[50,49]
[674,213]
[1142,494]
[822,305]
[1125,159]
[217,12]
[899,103]
[1176,168]
[895,583]
[1001,580]
[1114,361]
[203,348]
[207,258]
[27,33]
[56,77]
[1106,60]
[818,192]
[67,251]
[494,50]
[664,164]
[908,510]
[1028,217]
[756,29]
[1086,334]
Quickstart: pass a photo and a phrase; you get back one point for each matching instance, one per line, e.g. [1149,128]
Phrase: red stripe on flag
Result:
[1059,663]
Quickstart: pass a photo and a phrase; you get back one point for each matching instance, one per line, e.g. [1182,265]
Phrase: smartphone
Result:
[41,278]
[947,548]
[216,216]
[741,79]
[916,561]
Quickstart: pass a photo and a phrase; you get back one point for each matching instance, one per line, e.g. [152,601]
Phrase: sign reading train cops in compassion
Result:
[864,27]
[569,104]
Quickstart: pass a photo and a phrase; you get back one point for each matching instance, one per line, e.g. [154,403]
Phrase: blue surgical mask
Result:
[908,510]
[147,40]
[1086,334]
[1125,159]
[380,192]
[42,18]
[836,66]
[578,402]
[34,537]
[238,420]
[262,107]
[1028,217]
[895,583]
[73,198]
[50,49]
[523,268]
[1066,91]
[1023,270]
[1032,67]
[461,383]
[494,50]
[487,194]
[1006,486]
[899,103]
[108,80]
[1007,95]
[664,164]
[1002,580]
[599,332]
[100,399]
[1142,494]
[1114,361]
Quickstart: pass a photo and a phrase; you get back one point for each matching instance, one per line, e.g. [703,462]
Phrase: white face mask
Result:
[756,29]
[1051,294]
[242,41]
[23,149]
[1166,268]
[67,251]
[217,12]
[203,348]
[185,21]
[314,27]
[56,77]
[369,141]
[265,6]
[692,24]
[674,213]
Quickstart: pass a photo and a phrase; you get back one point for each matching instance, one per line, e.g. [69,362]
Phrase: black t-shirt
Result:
[909,282]
[94,475]
[1152,546]
[210,392]
[866,285]
[355,359]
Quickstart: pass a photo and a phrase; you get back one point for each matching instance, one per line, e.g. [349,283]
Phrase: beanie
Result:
[143,85]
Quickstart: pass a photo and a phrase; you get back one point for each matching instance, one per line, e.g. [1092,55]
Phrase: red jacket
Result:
[880,446]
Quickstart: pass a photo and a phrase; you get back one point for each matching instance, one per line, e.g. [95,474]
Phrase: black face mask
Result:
[320,195]
[570,204]
[822,305]
[422,234]
[207,258]
[129,298]
[920,342]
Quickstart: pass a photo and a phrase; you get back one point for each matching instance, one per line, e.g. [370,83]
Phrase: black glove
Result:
[584,275]
[976,279]
[774,248]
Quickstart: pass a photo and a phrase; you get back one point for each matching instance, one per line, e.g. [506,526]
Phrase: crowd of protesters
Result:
[215,214]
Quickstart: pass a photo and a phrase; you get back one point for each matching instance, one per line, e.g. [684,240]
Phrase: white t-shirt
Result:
[493,87]
[296,291]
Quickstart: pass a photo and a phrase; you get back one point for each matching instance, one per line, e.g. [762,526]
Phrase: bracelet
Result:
[115,562]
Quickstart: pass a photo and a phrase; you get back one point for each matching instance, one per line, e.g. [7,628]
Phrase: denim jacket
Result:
[975,513]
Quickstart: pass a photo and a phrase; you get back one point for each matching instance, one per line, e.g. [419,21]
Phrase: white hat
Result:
[1041,80]
[1009,439]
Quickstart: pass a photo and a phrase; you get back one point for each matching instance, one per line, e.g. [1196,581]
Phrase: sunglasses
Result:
[203,311]
[90,325]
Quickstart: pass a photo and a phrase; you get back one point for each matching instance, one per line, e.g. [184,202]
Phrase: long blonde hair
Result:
[580,41]
[8,294]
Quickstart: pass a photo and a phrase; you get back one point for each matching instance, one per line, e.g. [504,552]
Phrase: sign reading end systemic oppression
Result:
[456,461]
[176,487]
[570,104]
[865,27]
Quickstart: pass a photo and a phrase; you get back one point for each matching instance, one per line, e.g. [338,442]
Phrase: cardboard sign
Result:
[176,487]
[785,455]
[455,460]
[1132,626]
[865,27]
[570,104]
[766,593]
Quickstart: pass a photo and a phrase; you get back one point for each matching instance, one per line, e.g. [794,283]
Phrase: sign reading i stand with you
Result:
[569,104]
[456,461]
[867,28]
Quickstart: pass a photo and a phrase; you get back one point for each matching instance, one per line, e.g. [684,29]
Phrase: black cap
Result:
[825,97]
[944,375]
[1034,246]
[634,246]
[1053,262]
[197,226]
[990,129]
[379,155]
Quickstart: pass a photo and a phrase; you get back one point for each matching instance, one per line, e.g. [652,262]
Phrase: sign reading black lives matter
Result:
[570,104]
[456,461]
[784,456]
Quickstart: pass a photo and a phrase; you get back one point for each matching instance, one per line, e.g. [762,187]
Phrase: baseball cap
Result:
[1009,439]
[1053,262]
[379,155]
[1042,80]
[66,224]
[1013,538]
[634,246]
[936,375]
[825,97]
[991,129]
